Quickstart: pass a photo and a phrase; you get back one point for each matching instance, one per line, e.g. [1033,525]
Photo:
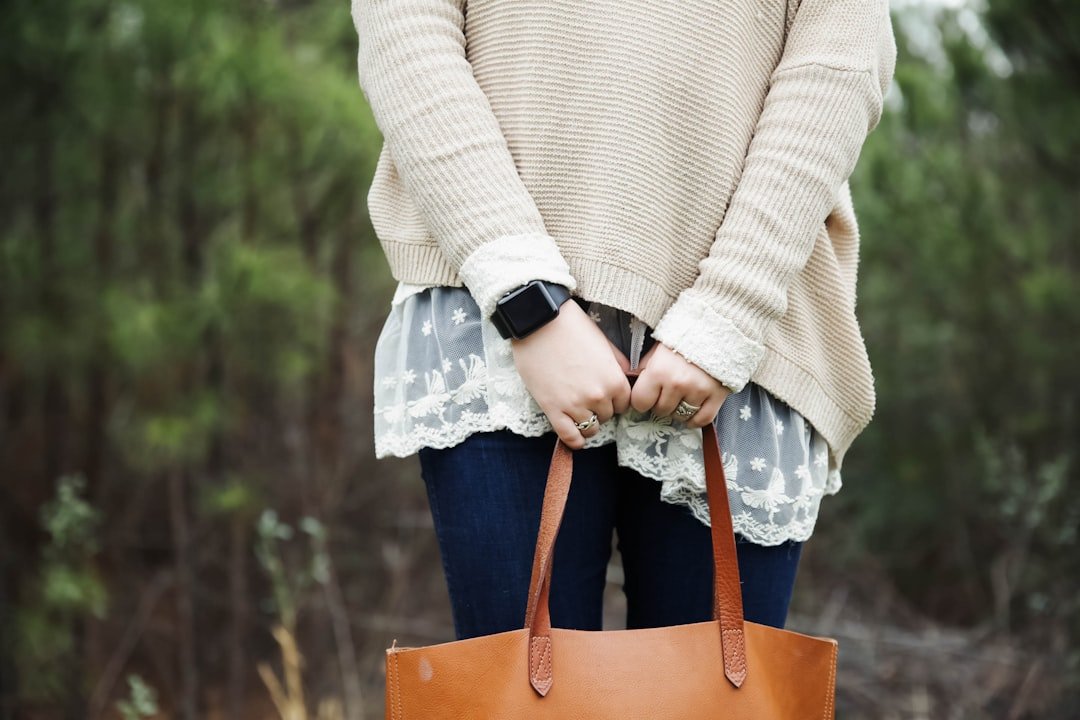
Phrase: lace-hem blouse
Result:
[441,374]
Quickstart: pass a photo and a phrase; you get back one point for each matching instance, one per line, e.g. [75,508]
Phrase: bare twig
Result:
[107,681]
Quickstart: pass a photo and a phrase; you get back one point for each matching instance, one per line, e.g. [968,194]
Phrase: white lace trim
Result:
[426,409]
[677,487]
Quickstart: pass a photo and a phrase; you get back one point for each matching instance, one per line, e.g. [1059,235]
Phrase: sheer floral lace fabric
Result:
[441,374]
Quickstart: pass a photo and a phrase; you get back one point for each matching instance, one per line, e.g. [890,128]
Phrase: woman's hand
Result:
[666,377]
[572,370]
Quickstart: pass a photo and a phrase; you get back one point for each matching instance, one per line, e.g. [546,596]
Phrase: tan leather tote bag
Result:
[723,669]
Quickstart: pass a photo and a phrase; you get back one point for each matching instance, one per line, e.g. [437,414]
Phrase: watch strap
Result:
[558,292]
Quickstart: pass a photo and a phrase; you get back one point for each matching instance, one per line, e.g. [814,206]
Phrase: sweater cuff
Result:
[709,340]
[508,262]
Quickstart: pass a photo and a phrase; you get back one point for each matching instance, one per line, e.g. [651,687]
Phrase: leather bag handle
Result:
[727,593]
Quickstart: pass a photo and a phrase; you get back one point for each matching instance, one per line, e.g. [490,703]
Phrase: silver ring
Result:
[586,424]
[685,409]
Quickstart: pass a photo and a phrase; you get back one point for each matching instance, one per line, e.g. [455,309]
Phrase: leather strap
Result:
[727,593]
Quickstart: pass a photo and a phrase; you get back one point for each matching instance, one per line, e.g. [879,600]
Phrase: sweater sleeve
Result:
[448,148]
[825,96]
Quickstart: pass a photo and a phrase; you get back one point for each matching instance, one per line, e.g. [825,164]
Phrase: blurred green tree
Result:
[963,485]
[183,215]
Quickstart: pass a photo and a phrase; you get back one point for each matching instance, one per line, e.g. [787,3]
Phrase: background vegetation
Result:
[192,524]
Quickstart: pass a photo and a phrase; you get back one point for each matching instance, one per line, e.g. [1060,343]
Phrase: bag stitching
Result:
[829,696]
[392,695]
[391,705]
[397,689]
[544,658]
[733,652]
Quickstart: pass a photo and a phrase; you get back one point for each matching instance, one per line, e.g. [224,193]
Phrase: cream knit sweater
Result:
[686,161]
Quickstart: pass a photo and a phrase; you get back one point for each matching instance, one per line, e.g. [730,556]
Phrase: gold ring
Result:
[586,424]
[685,409]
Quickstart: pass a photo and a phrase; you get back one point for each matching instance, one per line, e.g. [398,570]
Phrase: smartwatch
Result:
[527,308]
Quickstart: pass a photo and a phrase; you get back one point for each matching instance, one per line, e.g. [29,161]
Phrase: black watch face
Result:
[528,309]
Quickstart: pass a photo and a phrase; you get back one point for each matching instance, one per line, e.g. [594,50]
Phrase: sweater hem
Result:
[426,264]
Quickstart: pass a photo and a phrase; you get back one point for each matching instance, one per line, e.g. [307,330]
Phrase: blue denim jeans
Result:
[485,495]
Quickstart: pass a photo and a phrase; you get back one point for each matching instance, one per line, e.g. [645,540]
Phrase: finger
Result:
[620,399]
[596,399]
[593,430]
[604,410]
[601,406]
[583,415]
[669,397]
[564,427]
[709,408]
[624,362]
[645,392]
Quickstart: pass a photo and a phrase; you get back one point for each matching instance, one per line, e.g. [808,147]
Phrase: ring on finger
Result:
[686,410]
[586,424]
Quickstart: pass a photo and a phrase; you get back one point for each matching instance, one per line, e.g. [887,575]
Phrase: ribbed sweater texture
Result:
[686,161]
